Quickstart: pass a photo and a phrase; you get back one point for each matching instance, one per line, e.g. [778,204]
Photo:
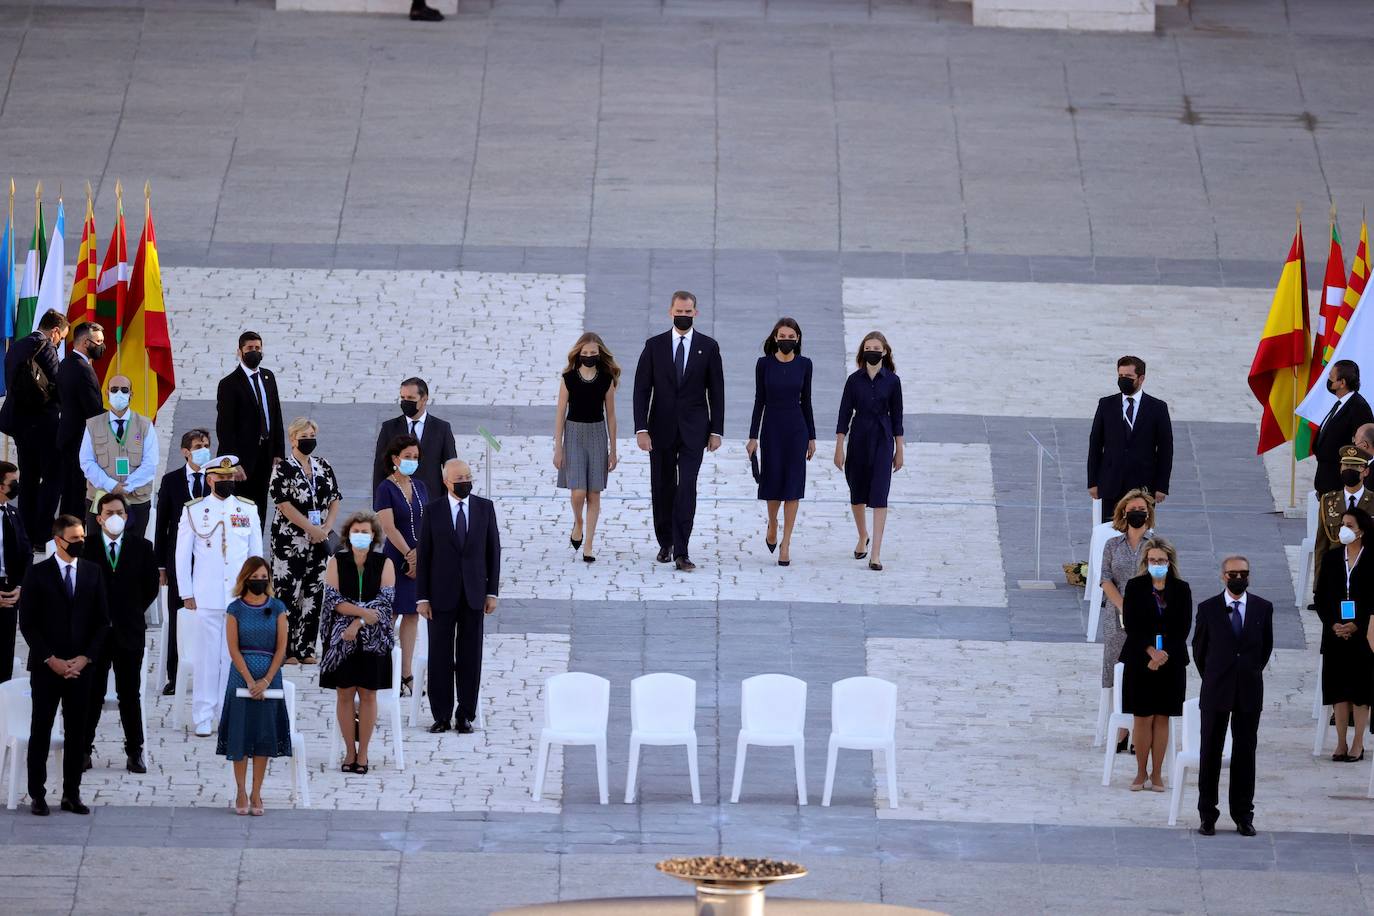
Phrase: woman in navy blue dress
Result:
[871,415]
[782,407]
[400,506]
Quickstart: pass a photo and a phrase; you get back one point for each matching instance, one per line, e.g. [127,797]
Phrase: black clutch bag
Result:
[754,466]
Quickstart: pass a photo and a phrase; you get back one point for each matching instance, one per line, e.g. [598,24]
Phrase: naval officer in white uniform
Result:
[215,536]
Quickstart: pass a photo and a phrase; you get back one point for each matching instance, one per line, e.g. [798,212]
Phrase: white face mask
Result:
[119,400]
[114,525]
[1347,535]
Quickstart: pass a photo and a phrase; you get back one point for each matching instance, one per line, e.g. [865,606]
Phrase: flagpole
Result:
[119,259]
[1293,444]
[9,253]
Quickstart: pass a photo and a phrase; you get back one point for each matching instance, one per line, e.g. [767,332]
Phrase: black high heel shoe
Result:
[576,544]
[586,558]
[1123,745]
[407,685]
[860,556]
[771,546]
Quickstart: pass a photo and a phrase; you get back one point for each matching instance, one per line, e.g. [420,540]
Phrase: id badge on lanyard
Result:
[315,516]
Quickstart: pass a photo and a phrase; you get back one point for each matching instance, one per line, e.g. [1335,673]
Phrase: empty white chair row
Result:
[16,714]
[663,713]
[1189,754]
[1101,534]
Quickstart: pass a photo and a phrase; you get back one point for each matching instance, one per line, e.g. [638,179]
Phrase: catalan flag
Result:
[145,341]
[1280,367]
[111,293]
[1324,340]
[81,308]
[1354,286]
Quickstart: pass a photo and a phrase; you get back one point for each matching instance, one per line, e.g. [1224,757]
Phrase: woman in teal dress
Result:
[254,726]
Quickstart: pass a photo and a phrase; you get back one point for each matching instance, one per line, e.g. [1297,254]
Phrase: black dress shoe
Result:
[463,726]
[38,807]
[665,555]
[421,13]
[1245,829]
[1312,606]
[74,805]
[685,565]
[88,765]
[136,764]
[1208,828]
[170,690]
[438,727]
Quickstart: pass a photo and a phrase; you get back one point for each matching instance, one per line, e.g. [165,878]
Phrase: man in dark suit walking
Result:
[1232,642]
[15,558]
[178,487]
[1132,441]
[457,580]
[435,435]
[1348,414]
[64,619]
[679,404]
[29,415]
[130,583]
[248,420]
[79,391]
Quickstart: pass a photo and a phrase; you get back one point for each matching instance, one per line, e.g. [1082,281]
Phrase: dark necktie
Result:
[1332,412]
[262,409]
[198,490]
[1235,618]
[412,428]
[1352,501]
[1130,412]
[119,430]
[71,584]
[114,560]
[680,360]
[460,526]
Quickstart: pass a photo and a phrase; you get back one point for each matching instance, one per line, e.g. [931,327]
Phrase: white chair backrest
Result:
[773,703]
[16,707]
[1102,533]
[289,693]
[577,702]
[396,668]
[1118,673]
[863,707]
[421,638]
[1190,741]
[1313,510]
[663,702]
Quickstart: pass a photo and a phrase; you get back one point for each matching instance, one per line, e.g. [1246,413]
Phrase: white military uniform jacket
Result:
[217,536]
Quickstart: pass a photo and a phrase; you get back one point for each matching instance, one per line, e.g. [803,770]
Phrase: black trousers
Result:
[40,478]
[9,620]
[72,500]
[455,662]
[255,486]
[1244,734]
[128,674]
[174,604]
[673,473]
[73,695]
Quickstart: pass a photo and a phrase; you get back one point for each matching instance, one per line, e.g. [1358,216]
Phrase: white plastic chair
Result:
[1097,543]
[577,706]
[1307,548]
[772,714]
[164,639]
[419,670]
[1097,514]
[663,712]
[1322,714]
[111,701]
[1188,756]
[16,715]
[1118,719]
[300,768]
[187,622]
[863,716]
[389,708]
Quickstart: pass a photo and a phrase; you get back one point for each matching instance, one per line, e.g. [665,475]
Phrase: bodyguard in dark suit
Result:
[1132,441]
[248,420]
[15,557]
[1232,642]
[436,438]
[1348,414]
[178,487]
[679,410]
[457,579]
[130,583]
[64,619]
[29,415]
[79,391]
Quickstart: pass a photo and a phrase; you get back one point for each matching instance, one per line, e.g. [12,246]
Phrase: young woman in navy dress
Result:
[871,415]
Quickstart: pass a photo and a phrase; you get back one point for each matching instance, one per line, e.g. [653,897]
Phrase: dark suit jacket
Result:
[1233,669]
[18,551]
[1330,592]
[173,494]
[237,422]
[1121,458]
[79,391]
[436,447]
[129,588]
[19,411]
[1142,621]
[1334,433]
[55,625]
[689,412]
[444,573]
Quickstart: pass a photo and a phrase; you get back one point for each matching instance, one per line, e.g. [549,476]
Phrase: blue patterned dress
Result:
[248,727]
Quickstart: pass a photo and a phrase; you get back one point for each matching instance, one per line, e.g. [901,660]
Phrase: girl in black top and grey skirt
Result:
[584,434]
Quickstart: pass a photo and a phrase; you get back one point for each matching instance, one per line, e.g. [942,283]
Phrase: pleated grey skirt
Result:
[585,456]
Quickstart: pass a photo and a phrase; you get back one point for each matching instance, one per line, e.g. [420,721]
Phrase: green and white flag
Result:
[28,287]
[50,288]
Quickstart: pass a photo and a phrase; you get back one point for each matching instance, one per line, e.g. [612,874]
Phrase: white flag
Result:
[51,296]
[1356,345]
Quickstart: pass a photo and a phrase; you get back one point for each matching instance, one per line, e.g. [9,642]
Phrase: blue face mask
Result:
[408,466]
[200,457]
[1158,571]
[359,540]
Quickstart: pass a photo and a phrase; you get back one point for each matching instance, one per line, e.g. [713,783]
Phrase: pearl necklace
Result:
[395,481]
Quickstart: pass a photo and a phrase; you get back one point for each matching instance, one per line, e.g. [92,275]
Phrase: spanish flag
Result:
[145,345]
[1280,369]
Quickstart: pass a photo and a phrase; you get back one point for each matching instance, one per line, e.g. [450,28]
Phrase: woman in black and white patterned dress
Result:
[584,434]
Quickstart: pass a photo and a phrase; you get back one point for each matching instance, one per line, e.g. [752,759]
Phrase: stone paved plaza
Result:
[1013,209]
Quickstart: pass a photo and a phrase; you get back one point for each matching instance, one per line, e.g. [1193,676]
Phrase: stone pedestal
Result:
[1085,15]
[398,7]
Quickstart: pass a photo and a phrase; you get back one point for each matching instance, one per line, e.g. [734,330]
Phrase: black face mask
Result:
[1351,477]
[257,586]
[1127,385]
[306,446]
[873,357]
[410,408]
[224,488]
[95,351]
[786,347]
[252,359]
[74,547]
[12,490]
[462,489]
[682,322]
[588,361]
[1136,518]
[1237,584]
[1330,386]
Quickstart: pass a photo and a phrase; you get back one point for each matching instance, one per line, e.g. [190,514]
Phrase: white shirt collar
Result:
[687,338]
[1230,599]
[82,355]
[454,502]
[1340,401]
[1358,494]
[246,371]
[109,540]
[63,564]
[1140,392]
[114,416]
[418,418]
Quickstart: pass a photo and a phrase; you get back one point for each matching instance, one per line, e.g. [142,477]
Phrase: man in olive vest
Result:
[120,454]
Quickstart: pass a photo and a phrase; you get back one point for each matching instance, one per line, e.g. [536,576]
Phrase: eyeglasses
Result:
[124,390]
